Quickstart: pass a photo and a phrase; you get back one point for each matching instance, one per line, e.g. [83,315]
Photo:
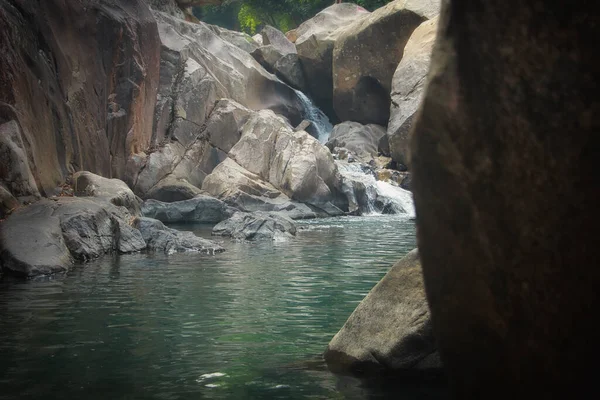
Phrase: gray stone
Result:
[362,140]
[160,238]
[361,90]
[289,69]
[171,189]
[276,38]
[15,172]
[238,39]
[32,243]
[408,85]
[202,209]
[256,226]
[390,329]
[8,203]
[114,191]
[267,56]
[224,127]
[315,41]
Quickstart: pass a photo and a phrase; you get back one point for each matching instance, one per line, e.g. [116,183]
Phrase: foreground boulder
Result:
[200,209]
[390,329]
[362,140]
[315,40]
[114,191]
[160,238]
[408,85]
[505,180]
[361,90]
[256,226]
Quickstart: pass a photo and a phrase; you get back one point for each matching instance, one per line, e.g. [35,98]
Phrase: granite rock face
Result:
[200,209]
[505,182]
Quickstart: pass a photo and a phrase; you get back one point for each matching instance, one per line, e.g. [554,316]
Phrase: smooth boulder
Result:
[115,191]
[274,37]
[391,329]
[505,178]
[408,85]
[256,226]
[366,55]
[200,209]
[362,140]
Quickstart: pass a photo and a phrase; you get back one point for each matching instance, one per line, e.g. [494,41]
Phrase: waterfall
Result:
[368,196]
[318,119]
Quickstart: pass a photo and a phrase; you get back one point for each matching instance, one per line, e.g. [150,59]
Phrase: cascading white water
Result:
[372,197]
[319,120]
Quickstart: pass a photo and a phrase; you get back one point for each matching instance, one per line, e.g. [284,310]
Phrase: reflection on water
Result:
[250,323]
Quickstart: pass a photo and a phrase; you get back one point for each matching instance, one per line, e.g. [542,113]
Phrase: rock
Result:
[171,189]
[315,42]
[90,230]
[293,162]
[258,39]
[276,38]
[238,39]
[167,6]
[163,239]
[408,85]
[267,56]
[390,329]
[288,68]
[7,202]
[360,139]
[256,226]
[246,191]
[303,126]
[235,74]
[80,80]
[361,90]
[31,243]
[15,172]
[292,35]
[112,190]
[225,123]
[384,145]
[505,180]
[200,209]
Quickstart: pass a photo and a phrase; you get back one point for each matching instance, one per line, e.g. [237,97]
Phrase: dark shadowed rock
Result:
[172,189]
[163,239]
[267,56]
[362,140]
[366,55]
[80,80]
[8,202]
[315,41]
[408,85]
[15,173]
[390,329]
[32,243]
[167,6]
[276,38]
[256,226]
[203,209]
[506,187]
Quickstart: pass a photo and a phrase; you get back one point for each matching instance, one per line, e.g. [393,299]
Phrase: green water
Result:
[250,323]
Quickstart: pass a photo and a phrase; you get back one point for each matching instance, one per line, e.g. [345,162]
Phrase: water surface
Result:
[250,323]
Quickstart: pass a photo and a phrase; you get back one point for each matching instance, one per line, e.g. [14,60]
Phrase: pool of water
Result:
[250,323]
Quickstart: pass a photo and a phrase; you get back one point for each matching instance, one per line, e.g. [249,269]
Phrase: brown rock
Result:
[506,186]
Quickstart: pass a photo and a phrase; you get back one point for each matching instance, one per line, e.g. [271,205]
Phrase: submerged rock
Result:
[361,90]
[256,226]
[160,238]
[408,85]
[200,209]
[390,330]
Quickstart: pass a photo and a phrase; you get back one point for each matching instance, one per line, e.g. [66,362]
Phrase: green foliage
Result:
[251,15]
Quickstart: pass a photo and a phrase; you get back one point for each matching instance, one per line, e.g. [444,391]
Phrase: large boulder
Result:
[172,189]
[288,68]
[238,39]
[366,55]
[315,41]
[293,162]
[408,85]
[80,80]
[256,226]
[114,191]
[274,37]
[200,209]
[246,191]
[267,56]
[160,238]
[505,181]
[390,329]
[362,140]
